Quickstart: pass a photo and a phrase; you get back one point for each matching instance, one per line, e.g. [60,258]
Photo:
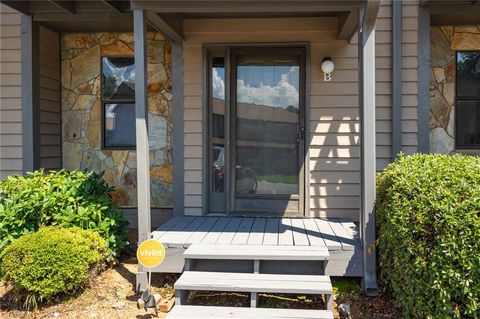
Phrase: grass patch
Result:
[284,179]
[345,285]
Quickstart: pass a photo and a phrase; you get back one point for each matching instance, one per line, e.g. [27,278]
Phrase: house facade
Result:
[206,108]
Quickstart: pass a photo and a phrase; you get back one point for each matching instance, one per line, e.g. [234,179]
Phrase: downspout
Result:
[396,78]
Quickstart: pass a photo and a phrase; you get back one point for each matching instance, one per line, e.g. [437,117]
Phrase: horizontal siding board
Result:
[51,162]
[10,68]
[11,164]
[8,80]
[253,25]
[11,128]
[11,152]
[50,72]
[334,177]
[10,55]
[50,151]
[10,43]
[50,140]
[11,140]
[50,118]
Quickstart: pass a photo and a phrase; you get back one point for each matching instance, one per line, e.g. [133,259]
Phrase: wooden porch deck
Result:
[340,236]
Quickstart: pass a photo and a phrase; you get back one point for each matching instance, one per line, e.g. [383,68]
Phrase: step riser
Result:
[288,267]
[181,298]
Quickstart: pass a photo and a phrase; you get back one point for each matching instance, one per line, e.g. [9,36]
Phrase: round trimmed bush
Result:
[63,198]
[54,260]
[428,219]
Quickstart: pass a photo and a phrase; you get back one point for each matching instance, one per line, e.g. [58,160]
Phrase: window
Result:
[467,110]
[217,122]
[118,101]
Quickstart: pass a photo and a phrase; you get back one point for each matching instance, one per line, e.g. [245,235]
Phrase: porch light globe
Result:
[328,66]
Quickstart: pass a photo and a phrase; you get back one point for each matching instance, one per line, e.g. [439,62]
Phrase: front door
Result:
[265,131]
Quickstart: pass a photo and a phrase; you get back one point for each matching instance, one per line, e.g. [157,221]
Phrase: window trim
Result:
[103,102]
[475,147]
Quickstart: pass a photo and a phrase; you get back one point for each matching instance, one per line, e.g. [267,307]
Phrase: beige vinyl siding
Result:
[10,93]
[409,76]
[383,87]
[50,110]
[334,153]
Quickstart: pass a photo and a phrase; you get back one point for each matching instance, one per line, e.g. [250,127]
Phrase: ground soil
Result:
[111,295]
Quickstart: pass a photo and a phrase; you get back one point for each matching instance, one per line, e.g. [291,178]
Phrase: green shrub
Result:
[60,198]
[428,217]
[54,260]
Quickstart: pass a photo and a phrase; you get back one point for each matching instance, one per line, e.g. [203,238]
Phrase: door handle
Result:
[301,134]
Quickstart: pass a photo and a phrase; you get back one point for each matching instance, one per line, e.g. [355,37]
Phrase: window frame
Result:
[104,102]
[475,147]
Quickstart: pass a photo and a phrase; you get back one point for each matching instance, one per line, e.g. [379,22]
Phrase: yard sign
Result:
[150,253]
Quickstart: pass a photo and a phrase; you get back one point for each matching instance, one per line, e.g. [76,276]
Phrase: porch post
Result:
[141,130]
[30,94]
[178,133]
[366,56]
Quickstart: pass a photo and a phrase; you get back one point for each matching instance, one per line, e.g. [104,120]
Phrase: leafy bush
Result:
[428,216]
[53,260]
[60,198]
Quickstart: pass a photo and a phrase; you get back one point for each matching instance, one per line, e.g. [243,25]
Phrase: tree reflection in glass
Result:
[118,78]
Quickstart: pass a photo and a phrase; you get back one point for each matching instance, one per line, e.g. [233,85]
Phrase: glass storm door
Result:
[267,131]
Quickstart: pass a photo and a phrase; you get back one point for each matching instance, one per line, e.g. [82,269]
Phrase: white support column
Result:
[141,122]
[366,56]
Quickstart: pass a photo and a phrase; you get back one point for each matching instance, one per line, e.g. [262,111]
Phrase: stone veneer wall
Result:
[444,41]
[82,111]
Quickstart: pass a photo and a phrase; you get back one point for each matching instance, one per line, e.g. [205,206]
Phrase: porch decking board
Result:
[299,234]
[350,228]
[243,231]
[179,230]
[285,235]
[335,234]
[216,231]
[258,231]
[202,231]
[331,240]
[271,231]
[229,232]
[346,238]
[314,236]
[168,225]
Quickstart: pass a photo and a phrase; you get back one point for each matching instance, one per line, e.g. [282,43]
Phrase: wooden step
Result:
[256,252]
[242,282]
[203,312]
[253,283]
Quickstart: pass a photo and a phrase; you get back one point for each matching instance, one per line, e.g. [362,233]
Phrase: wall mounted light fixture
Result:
[327,67]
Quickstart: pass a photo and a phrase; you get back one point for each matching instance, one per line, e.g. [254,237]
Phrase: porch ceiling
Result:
[70,16]
[103,15]
[171,14]
[452,12]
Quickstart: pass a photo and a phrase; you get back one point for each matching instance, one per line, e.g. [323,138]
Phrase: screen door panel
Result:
[268,130]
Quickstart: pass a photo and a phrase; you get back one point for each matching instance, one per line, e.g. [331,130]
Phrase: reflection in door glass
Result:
[267,125]
[218,124]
